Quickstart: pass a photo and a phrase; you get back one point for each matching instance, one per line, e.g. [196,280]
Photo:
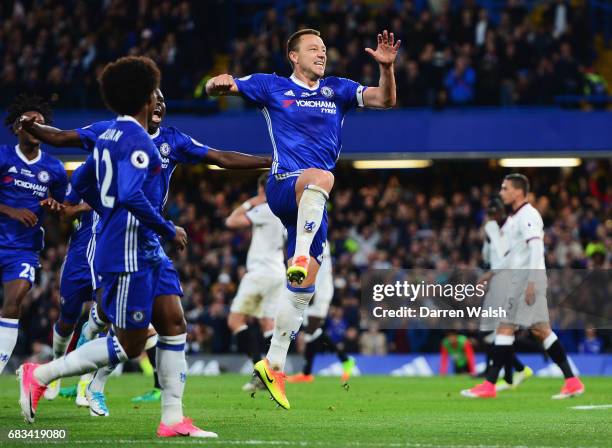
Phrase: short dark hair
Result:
[263,179]
[495,205]
[519,181]
[294,40]
[126,85]
[27,103]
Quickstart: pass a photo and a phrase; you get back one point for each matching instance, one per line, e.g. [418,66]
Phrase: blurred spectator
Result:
[460,82]
[372,341]
[458,348]
[591,343]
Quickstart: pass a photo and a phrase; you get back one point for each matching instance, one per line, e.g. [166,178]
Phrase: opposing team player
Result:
[525,300]
[494,249]
[315,336]
[264,282]
[175,148]
[120,181]
[304,113]
[31,182]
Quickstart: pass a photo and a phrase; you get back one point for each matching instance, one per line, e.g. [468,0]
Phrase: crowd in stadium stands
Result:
[453,52]
[376,221]
[58,48]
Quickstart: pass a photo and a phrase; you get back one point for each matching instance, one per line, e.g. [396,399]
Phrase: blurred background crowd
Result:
[454,53]
[378,220]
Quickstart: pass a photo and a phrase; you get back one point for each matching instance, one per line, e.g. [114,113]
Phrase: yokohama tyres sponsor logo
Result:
[310,103]
[38,190]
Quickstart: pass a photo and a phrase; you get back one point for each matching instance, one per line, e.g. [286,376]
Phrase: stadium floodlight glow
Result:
[73,164]
[391,164]
[544,162]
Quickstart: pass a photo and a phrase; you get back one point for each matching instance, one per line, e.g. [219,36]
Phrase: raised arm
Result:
[236,160]
[238,219]
[221,85]
[50,135]
[383,96]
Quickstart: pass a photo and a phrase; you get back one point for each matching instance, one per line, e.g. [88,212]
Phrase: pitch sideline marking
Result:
[590,407]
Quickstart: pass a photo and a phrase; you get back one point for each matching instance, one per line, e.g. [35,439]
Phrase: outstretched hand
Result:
[386,50]
[26,122]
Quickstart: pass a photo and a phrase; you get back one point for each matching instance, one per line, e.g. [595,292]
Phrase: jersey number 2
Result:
[107,200]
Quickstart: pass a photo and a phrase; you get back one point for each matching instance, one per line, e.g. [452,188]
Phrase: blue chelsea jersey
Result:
[304,123]
[125,166]
[174,148]
[23,184]
[81,238]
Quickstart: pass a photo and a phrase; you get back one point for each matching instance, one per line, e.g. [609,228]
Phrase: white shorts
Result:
[518,312]
[324,291]
[258,295]
[497,294]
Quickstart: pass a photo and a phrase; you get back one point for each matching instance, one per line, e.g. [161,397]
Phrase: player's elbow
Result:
[390,102]
[231,223]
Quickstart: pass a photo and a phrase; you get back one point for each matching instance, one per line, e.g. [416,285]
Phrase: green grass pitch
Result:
[374,412]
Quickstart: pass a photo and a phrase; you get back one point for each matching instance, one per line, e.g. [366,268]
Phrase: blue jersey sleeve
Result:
[85,184]
[3,150]
[71,194]
[59,186]
[351,93]
[188,149]
[256,87]
[132,172]
[89,134]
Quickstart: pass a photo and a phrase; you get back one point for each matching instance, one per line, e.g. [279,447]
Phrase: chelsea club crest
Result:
[164,149]
[327,92]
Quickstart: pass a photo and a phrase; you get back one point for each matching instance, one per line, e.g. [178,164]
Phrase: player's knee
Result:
[11,309]
[133,348]
[319,178]
[175,325]
[541,332]
[64,328]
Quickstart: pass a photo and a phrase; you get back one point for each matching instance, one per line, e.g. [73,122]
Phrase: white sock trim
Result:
[504,339]
[173,340]
[550,340]
[318,189]
[8,320]
[93,313]
[151,342]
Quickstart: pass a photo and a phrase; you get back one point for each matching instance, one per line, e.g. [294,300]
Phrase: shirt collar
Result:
[22,156]
[302,84]
[155,134]
[514,212]
[128,118]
